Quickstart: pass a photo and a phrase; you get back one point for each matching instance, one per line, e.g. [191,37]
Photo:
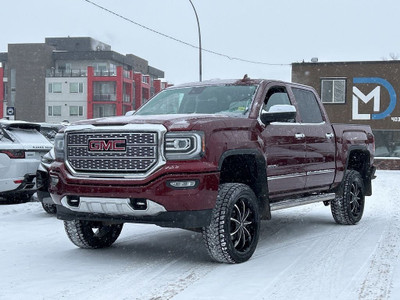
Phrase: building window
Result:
[76,111]
[76,87]
[104,91]
[104,110]
[387,143]
[100,69]
[333,90]
[54,111]
[64,68]
[55,87]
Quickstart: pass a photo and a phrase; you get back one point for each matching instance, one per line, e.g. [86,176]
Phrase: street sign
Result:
[10,111]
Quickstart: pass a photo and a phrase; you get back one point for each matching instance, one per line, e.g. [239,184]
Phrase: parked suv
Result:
[21,149]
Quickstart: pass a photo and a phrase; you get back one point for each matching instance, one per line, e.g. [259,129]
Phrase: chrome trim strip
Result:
[318,172]
[161,160]
[113,206]
[293,175]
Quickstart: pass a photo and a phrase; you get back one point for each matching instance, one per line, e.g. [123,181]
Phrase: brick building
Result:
[360,93]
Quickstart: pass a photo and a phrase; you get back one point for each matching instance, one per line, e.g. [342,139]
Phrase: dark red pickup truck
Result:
[215,157]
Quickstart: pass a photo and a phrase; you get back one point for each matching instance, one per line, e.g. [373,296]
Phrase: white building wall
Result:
[62,103]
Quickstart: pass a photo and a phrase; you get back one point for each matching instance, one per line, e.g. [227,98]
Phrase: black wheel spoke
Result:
[241,225]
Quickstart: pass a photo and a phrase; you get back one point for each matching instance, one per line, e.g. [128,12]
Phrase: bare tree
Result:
[394,56]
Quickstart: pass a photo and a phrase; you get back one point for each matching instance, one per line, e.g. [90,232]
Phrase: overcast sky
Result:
[276,32]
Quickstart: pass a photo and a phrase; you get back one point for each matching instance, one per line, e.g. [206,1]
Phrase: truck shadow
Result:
[163,245]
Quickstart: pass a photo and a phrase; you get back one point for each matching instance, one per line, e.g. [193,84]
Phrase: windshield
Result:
[226,99]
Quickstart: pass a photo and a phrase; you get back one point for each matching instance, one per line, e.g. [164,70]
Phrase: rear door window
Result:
[307,104]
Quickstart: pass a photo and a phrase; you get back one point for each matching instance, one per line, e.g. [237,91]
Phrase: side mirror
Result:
[130,113]
[279,113]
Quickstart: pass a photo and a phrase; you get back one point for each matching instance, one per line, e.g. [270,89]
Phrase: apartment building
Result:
[71,79]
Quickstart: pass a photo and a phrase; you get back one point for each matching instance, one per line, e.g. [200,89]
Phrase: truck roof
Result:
[244,81]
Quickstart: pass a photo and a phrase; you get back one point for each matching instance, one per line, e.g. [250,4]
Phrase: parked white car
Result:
[21,148]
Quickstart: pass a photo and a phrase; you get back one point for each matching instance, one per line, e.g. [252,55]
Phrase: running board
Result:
[301,201]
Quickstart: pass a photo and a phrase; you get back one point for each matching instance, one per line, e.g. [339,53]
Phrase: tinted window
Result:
[308,106]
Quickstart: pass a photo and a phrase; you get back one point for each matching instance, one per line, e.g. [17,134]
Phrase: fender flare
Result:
[261,183]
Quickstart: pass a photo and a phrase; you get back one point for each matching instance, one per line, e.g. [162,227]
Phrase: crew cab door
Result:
[319,140]
[284,146]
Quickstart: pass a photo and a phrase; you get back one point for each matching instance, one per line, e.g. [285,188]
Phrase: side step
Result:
[301,201]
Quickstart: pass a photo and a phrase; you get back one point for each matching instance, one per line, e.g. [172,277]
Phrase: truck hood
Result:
[182,122]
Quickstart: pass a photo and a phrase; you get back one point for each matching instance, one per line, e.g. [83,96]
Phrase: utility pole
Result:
[198,27]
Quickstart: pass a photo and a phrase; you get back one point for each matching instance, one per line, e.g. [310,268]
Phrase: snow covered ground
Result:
[302,254]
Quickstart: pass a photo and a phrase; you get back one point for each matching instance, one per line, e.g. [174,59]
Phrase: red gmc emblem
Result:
[107,145]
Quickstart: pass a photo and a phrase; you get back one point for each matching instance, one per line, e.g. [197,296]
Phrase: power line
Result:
[181,41]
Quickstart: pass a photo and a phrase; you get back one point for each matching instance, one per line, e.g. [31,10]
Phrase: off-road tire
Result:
[92,235]
[233,233]
[50,208]
[348,206]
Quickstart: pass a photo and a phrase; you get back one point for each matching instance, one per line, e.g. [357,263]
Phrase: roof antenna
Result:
[245,78]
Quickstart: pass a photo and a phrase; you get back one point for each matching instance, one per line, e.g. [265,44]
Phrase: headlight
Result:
[184,145]
[59,143]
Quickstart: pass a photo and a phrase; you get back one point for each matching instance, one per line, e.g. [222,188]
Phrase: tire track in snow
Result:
[318,257]
[177,285]
[378,281]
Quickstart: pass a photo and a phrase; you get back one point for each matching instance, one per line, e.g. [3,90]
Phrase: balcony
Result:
[105,73]
[104,97]
[66,73]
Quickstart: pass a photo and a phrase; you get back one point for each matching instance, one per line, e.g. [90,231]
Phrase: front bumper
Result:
[175,219]
[122,200]
[26,187]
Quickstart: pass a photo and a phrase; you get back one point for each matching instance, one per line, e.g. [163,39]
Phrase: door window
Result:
[308,106]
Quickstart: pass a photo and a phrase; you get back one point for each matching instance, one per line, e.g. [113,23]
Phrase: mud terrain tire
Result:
[348,207]
[50,208]
[92,235]
[233,233]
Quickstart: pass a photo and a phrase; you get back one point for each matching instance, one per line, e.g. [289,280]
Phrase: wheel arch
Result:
[247,166]
[359,159]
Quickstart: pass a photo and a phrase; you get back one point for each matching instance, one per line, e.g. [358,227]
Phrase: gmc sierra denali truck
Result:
[215,157]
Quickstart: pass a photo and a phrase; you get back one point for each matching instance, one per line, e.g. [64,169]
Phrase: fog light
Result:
[183,184]
[73,201]
[139,203]
[54,180]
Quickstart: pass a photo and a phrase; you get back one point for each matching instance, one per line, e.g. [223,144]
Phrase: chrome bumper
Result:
[113,206]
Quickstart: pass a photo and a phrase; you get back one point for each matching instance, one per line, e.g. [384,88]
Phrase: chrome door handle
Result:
[329,135]
[299,136]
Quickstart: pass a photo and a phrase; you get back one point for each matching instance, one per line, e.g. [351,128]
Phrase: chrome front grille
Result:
[117,152]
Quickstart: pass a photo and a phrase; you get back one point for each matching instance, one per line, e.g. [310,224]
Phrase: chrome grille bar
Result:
[136,152]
